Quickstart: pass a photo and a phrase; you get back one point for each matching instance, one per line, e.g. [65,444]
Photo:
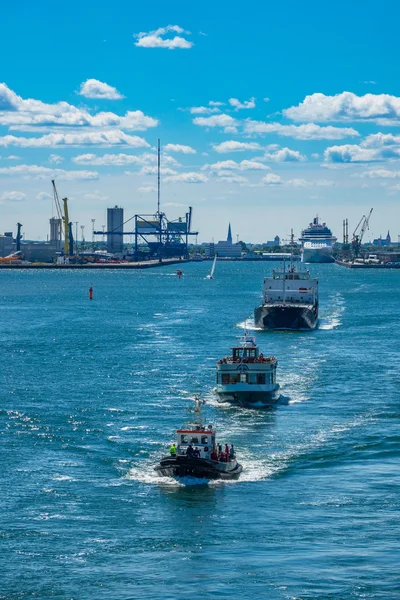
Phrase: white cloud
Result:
[349,153]
[378,140]
[213,103]
[252,165]
[221,120]
[204,110]
[12,196]
[380,174]
[93,88]
[266,99]
[310,131]
[146,189]
[13,157]
[43,196]
[179,148]
[244,165]
[234,146]
[308,183]
[187,178]
[272,179]
[153,171]
[233,179]
[55,159]
[25,114]
[237,105]
[174,204]
[284,155]
[157,39]
[113,137]
[109,159]
[345,107]
[38,172]
[95,196]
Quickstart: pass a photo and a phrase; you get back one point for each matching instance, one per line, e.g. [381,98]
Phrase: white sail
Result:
[211,275]
[213,266]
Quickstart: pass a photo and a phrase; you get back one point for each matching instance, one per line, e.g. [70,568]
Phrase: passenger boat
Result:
[247,377]
[196,453]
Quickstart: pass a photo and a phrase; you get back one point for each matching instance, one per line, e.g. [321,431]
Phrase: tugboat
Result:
[290,300]
[197,454]
[247,377]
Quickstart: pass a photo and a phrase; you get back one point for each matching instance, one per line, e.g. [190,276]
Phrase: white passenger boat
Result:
[247,377]
[197,453]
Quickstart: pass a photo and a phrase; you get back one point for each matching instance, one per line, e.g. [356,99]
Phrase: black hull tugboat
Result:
[197,454]
[289,300]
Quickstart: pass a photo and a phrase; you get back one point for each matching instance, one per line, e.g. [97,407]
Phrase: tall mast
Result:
[291,248]
[158,177]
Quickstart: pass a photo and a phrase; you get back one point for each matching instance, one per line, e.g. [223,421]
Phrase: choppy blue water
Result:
[91,393]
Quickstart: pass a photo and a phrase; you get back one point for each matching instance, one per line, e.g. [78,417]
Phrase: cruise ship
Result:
[317,243]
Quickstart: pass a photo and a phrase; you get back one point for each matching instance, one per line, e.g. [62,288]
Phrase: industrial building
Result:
[115,230]
[7,244]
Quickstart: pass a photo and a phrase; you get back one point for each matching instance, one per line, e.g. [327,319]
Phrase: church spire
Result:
[229,238]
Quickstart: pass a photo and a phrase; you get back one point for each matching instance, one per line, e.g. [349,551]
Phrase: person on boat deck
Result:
[196,453]
[172,450]
[219,449]
[189,451]
[231,452]
[227,449]
[214,454]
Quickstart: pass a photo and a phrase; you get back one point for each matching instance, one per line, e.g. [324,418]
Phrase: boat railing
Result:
[257,360]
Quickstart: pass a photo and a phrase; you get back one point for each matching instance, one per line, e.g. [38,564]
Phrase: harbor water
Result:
[92,390]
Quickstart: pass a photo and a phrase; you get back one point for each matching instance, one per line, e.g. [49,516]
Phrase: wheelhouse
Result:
[201,439]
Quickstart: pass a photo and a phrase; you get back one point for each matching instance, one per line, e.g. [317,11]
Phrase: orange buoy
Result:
[90,293]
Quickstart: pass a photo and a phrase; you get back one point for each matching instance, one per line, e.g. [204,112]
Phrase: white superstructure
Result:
[290,287]
[247,376]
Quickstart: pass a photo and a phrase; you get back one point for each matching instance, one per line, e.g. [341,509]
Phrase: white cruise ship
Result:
[317,243]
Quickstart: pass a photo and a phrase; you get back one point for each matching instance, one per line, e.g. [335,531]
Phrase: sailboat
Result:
[211,275]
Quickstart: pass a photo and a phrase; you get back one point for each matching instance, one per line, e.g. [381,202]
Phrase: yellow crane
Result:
[64,219]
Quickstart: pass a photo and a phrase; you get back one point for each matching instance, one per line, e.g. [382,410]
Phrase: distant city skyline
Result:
[264,122]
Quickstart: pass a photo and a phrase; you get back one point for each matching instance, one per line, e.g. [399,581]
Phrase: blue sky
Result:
[267,113]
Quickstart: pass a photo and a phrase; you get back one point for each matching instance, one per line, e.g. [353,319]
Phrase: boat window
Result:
[225,378]
[243,378]
[261,378]
[234,379]
[184,439]
[204,439]
[194,440]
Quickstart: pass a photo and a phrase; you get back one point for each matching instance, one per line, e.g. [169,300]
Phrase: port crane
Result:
[359,232]
[64,220]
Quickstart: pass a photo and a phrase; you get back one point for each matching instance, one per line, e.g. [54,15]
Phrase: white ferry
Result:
[289,300]
[246,377]
[196,453]
[317,243]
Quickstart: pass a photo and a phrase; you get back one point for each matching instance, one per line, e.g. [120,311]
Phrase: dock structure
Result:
[146,264]
[360,265]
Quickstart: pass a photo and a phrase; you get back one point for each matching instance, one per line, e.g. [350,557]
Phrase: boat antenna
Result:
[158,176]
[291,249]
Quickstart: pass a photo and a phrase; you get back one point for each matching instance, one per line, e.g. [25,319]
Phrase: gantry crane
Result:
[64,220]
[359,232]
